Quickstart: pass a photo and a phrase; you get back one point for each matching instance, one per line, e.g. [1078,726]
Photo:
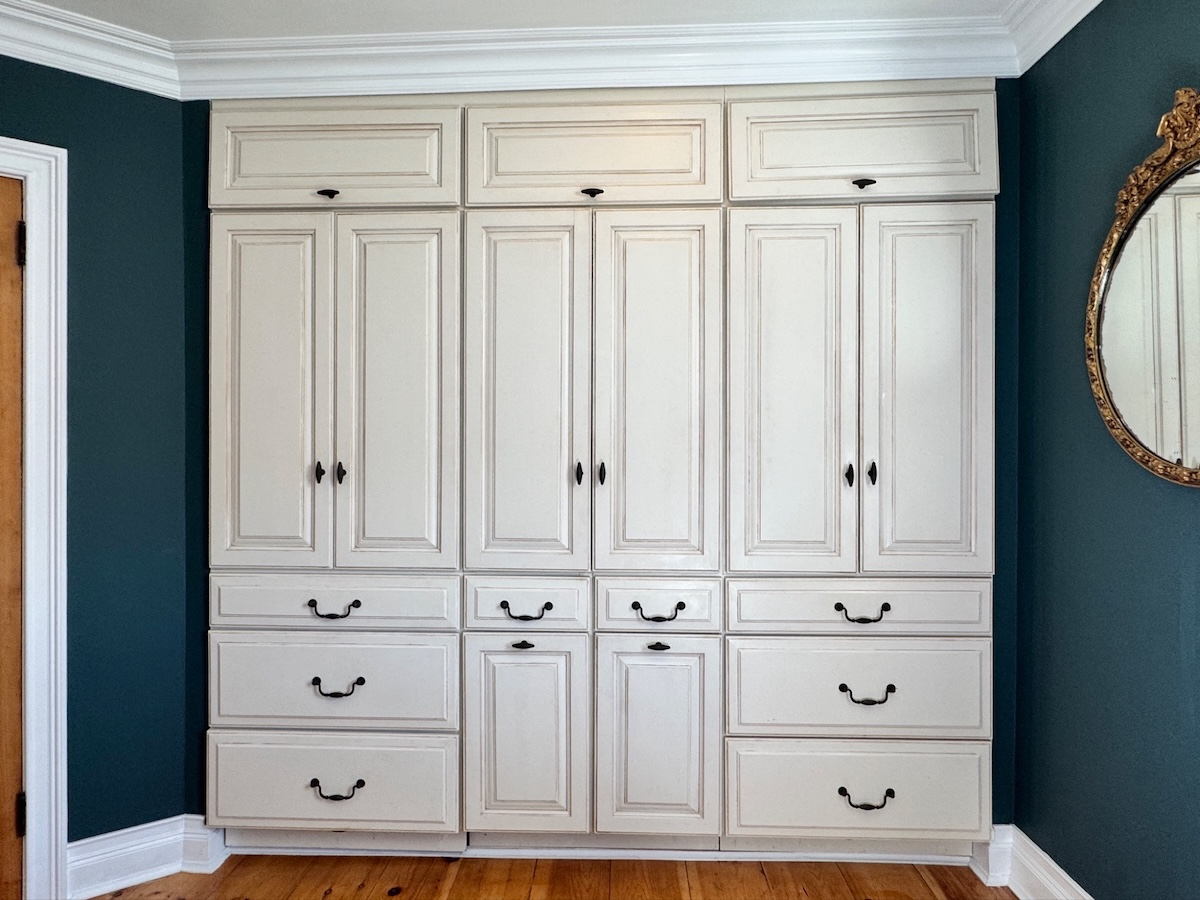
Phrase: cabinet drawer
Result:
[836,606]
[860,686]
[633,604]
[907,146]
[358,601]
[410,782]
[372,157]
[552,604]
[390,680]
[793,788]
[631,152]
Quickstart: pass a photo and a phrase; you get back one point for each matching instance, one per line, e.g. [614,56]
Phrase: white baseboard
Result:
[1035,876]
[992,860]
[120,859]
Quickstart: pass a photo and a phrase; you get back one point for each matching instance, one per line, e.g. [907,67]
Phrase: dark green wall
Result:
[1109,579]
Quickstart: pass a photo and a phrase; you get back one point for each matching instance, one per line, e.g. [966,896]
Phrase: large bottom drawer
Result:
[366,782]
[880,789]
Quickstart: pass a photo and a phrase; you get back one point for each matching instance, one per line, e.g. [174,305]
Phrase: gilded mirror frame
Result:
[1180,131]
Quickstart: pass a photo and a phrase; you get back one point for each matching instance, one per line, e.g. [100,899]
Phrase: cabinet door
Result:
[528,309]
[658,389]
[927,406]
[658,737]
[397,504]
[793,390]
[271,381]
[526,732]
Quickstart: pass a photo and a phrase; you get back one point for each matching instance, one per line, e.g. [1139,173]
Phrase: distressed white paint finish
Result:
[658,767]
[927,387]
[633,604]
[527,745]
[398,388]
[658,389]
[270,424]
[793,389]
[556,604]
[527,422]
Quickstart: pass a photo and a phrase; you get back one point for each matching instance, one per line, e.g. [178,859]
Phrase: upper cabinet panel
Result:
[625,153]
[358,157]
[864,147]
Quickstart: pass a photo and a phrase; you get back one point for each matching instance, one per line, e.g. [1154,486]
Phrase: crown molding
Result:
[1036,26]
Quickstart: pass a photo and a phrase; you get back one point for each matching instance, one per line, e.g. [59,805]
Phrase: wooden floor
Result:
[412,878]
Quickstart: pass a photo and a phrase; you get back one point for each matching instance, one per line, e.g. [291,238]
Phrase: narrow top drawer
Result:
[626,152]
[368,157]
[644,604]
[864,147]
[860,606]
[519,603]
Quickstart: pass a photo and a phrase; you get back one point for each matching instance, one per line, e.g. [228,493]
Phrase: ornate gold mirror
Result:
[1143,315]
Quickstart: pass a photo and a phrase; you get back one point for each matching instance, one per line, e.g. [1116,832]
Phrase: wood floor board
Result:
[496,879]
[885,881]
[184,886]
[960,883]
[340,878]
[732,880]
[576,879]
[648,879]
[262,877]
[795,880]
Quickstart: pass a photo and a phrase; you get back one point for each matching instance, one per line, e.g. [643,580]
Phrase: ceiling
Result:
[269,48]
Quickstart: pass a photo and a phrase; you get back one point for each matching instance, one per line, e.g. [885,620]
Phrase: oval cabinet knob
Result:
[328,193]
[592,192]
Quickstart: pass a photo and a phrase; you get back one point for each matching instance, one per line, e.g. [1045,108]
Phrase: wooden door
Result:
[927,405]
[397,381]
[527,423]
[11,629]
[793,390]
[271,442]
[526,741]
[658,734]
[658,389]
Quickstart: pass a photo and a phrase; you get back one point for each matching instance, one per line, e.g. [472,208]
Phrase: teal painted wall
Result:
[1108,730]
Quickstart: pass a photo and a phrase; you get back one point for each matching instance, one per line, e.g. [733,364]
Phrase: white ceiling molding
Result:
[860,50]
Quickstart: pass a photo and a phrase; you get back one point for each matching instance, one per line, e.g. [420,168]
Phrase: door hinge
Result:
[21,814]
[21,244]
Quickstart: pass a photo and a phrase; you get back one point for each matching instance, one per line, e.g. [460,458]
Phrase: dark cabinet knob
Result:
[863,183]
[592,192]
[320,471]
[328,193]
[850,474]
[341,472]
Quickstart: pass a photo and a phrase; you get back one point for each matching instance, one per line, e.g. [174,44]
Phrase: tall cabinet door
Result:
[527,749]
[271,442]
[397,368]
[658,389]
[793,390]
[526,433]
[658,734]
[927,407]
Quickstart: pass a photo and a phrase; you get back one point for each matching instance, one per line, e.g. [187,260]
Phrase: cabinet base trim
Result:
[1033,875]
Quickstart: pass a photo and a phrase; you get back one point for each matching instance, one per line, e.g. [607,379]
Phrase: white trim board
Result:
[44,173]
[540,58]
[1035,876]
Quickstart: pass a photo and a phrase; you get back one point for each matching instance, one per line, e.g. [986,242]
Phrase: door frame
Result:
[43,170]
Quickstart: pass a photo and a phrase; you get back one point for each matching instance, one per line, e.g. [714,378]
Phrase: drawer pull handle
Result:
[671,618]
[522,645]
[887,692]
[658,645]
[358,682]
[508,612]
[316,783]
[862,620]
[354,604]
[889,794]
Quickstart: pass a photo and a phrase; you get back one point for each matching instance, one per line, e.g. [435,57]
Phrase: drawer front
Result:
[631,152]
[794,788]
[860,606]
[537,604]
[372,157]
[264,779]
[639,604]
[358,601]
[388,681]
[907,146]
[900,687]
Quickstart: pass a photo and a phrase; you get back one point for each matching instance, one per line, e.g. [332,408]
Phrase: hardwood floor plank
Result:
[960,883]
[492,879]
[262,878]
[571,879]
[416,877]
[340,878]
[793,880]
[885,881]
[732,880]
[648,879]
[184,886]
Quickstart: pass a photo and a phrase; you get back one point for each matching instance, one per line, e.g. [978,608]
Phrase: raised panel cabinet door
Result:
[927,390]
[527,423]
[793,390]
[397,366]
[527,748]
[271,441]
[658,389]
[658,738]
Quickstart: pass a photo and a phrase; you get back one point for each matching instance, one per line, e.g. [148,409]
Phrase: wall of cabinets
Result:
[598,464]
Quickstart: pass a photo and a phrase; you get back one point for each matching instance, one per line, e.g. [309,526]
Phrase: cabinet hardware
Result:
[522,645]
[887,795]
[592,192]
[863,183]
[579,473]
[320,470]
[671,618]
[358,682]
[328,193]
[850,474]
[341,472]
[508,612]
[872,472]
[658,645]
[862,620]
[316,783]
[354,604]
[887,693]
[21,815]
[602,471]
